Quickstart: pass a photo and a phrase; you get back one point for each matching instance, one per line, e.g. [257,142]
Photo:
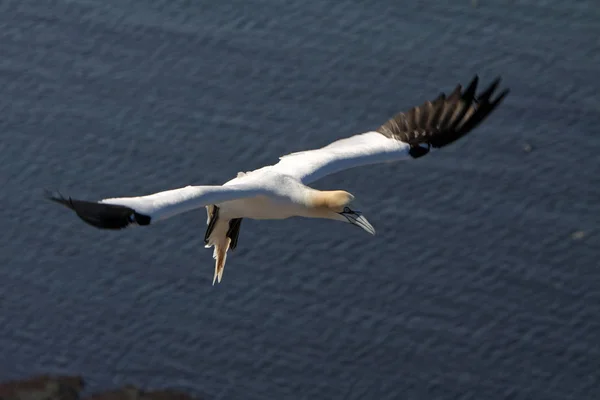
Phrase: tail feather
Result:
[220,255]
[221,242]
[222,234]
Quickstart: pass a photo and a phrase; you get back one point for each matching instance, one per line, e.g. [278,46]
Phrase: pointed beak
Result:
[356,218]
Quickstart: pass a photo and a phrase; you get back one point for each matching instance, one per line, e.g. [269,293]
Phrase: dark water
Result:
[482,283]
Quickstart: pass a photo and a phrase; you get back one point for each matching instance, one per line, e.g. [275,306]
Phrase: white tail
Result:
[218,238]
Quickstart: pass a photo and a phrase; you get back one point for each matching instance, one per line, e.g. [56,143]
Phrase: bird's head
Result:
[342,206]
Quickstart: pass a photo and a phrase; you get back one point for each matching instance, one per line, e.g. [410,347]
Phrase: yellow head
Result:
[333,200]
[338,205]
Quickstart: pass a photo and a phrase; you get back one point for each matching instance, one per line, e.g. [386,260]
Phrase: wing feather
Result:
[119,213]
[444,120]
[435,123]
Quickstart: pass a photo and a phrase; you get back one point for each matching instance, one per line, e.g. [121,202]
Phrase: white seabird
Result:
[280,191]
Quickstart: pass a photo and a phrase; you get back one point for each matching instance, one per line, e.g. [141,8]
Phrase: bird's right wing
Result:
[118,213]
[407,135]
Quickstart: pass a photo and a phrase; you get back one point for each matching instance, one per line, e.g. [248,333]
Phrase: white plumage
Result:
[280,191]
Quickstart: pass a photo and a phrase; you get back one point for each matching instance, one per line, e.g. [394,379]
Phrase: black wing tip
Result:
[470,93]
[474,80]
[446,119]
[101,215]
[57,197]
[482,108]
[469,109]
[501,96]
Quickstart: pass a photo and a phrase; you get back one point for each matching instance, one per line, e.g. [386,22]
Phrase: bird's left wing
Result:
[407,135]
[119,213]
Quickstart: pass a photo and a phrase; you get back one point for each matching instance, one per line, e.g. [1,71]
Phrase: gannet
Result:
[281,190]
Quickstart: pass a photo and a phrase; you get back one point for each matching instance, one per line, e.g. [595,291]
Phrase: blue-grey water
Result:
[483,281]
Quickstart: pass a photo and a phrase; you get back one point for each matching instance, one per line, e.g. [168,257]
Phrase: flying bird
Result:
[281,190]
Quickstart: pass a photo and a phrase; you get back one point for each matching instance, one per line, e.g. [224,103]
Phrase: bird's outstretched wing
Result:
[410,134]
[119,213]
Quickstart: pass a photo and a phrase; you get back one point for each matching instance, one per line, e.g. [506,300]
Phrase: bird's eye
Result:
[346,209]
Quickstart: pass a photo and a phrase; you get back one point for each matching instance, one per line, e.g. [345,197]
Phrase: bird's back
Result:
[285,196]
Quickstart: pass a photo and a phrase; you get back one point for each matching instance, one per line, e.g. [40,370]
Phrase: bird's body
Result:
[281,190]
[287,197]
[289,176]
[262,194]
[293,172]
